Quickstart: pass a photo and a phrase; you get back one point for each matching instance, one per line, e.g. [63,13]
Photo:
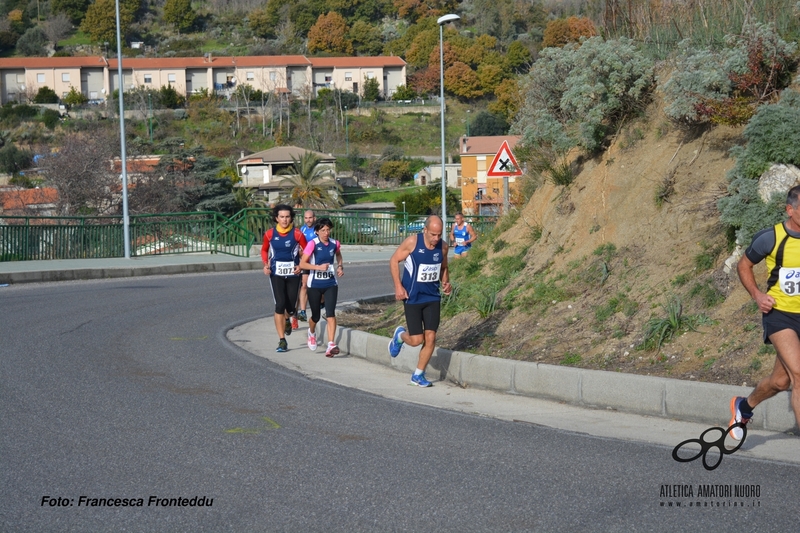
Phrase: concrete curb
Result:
[643,395]
[126,271]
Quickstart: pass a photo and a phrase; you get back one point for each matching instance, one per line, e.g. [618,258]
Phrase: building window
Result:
[328,79]
[370,75]
[273,76]
[65,76]
[148,78]
[251,76]
[348,76]
[171,78]
[40,78]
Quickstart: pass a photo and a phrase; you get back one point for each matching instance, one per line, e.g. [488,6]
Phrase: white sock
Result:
[417,372]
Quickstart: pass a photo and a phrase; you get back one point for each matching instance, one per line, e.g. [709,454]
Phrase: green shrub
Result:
[50,117]
[726,86]
[12,159]
[75,97]
[772,136]
[45,95]
[574,94]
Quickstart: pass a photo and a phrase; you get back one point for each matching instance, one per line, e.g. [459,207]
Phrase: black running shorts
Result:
[422,317]
[284,293]
[776,321]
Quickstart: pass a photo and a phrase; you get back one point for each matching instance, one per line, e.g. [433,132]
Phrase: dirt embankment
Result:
[637,228]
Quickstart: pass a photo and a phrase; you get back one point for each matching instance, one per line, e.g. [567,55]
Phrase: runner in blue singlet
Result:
[309,222]
[318,259]
[424,257]
[462,236]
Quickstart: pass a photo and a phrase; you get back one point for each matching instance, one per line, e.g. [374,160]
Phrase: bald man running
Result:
[424,257]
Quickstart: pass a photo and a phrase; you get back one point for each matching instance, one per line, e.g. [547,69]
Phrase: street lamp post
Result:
[444,19]
[346,135]
[405,218]
[126,224]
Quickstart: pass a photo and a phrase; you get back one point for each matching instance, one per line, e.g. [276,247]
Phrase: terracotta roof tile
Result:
[213,62]
[484,145]
[355,62]
[51,62]
[21,198]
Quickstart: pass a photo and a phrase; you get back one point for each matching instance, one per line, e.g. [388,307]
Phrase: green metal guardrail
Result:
[356,227]
[41,238]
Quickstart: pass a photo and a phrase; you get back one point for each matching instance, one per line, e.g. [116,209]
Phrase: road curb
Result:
[643,395]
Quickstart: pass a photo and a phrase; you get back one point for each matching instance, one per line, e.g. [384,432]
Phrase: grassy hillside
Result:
[581,274]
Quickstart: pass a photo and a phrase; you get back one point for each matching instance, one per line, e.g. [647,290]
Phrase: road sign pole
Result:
[506,202]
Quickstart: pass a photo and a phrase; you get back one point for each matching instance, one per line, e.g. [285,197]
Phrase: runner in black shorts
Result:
[424,258]
[779,246]
[280,253]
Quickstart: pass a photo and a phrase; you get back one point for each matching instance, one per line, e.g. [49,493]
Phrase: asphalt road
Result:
[128,389]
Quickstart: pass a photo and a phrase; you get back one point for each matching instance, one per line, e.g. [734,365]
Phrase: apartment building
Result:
[97,77]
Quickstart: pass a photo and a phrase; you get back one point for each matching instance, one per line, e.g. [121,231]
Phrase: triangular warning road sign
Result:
[504,163]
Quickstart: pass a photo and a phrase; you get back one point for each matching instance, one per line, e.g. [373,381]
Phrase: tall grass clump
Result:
[659,330]
[657,26]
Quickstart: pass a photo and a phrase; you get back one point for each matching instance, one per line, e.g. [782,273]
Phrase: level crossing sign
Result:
[504,163]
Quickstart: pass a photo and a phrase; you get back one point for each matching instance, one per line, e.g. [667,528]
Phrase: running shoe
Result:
[288,328]
[302,316]
[420,380]
[312,341]
[332,350]
[295,324]
[396,343]
[282,346]
[738,416]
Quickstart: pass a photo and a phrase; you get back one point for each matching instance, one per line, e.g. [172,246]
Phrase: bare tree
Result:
[83,173]
[56,28]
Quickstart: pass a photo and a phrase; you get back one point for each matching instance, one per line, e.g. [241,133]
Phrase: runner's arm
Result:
[445,277]
[405,249]
[339,261]
[747,277]
[264,252]
[473,235]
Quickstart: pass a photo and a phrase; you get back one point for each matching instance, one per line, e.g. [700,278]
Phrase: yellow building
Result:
[482,194]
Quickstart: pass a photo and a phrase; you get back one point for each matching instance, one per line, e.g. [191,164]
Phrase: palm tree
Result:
[312,185]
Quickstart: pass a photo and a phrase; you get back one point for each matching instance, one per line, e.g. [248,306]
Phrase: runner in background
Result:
[462,236]
[309,221]
[318,258]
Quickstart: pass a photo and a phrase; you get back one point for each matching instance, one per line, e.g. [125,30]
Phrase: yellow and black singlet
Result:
[783,264]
